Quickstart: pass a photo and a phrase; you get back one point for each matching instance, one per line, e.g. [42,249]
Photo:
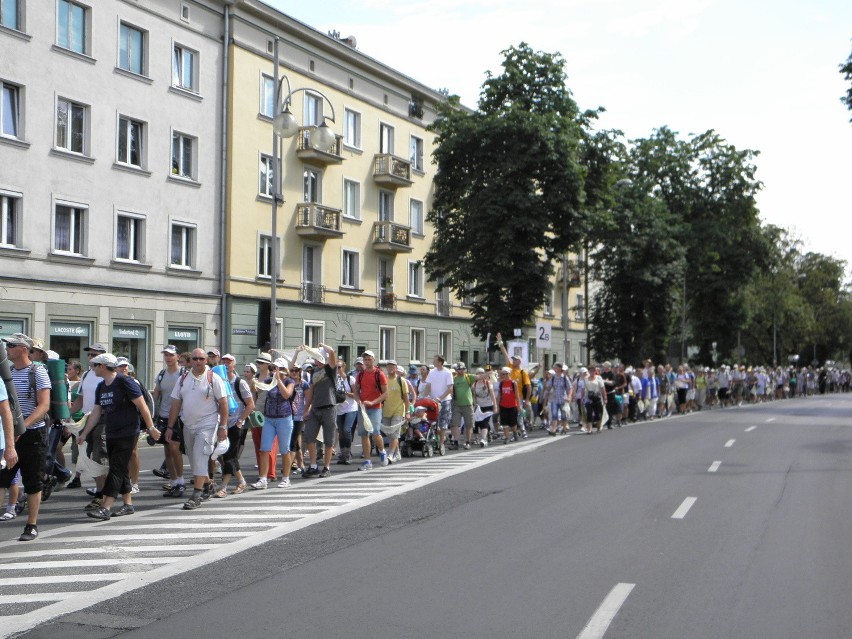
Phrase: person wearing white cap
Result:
[200,400]
[120,400]
[371,389]
[167,379]
[85,402]
[32,445]
[237,428]
[277,424]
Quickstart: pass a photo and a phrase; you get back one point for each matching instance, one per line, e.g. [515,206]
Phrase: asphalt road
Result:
[693,527]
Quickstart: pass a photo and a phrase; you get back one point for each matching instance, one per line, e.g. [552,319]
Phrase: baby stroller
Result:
[422,434]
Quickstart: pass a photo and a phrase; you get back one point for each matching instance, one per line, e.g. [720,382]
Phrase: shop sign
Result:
[69,330]
[183,334]
[129,332]
[244,331]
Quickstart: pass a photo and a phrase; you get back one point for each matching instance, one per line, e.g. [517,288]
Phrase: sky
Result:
[762,74]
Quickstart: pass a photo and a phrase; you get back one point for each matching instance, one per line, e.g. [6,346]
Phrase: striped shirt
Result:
[28,400]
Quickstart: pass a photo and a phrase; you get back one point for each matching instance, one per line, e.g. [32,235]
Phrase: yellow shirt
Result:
[394,405]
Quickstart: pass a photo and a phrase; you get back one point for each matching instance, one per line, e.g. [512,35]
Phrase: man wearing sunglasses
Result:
[32,445]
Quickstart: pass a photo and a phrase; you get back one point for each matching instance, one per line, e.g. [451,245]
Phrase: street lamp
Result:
[284,125]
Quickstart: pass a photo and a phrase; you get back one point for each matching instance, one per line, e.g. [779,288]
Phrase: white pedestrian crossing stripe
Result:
[102,560]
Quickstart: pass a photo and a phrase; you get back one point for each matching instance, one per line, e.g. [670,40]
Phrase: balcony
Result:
[317,222]
[391,171]
[443,308]
[391,238]
[306,152]
[313,293]
[386,301]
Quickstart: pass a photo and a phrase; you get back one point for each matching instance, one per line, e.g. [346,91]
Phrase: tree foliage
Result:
[846,70]
[508,190]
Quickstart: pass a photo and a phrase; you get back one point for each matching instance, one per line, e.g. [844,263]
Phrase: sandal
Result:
[9,514]
[241,488]
[222,492]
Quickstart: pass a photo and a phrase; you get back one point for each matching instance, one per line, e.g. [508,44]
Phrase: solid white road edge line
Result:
[729,443]
[598,624]
[714,466]
[680,513]
[133,581]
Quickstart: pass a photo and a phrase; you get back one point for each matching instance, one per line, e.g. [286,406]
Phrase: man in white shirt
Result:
[201,401]
[440,381]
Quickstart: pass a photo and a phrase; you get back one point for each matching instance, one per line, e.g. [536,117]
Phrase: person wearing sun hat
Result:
[32,444]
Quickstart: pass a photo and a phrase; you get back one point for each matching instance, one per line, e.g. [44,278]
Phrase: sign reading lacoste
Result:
[69,330]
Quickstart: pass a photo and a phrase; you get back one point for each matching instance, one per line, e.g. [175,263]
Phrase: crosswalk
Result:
[70,567]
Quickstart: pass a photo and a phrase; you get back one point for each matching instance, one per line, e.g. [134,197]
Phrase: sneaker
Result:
[467,445]
[193,502]
[285,483]
[9,514]
[74,483]
[21,504]
[91,491]
[47,489]
[366,465]
[310,472]
[524,434]
[483,442]
[260,484]
[397,456]
[134,489]
[343,461]
[30,533]
[126,509]
[95,504]
[175,491]
[161,472]
[506,440]
[100,513]
[383,456]
[325,472]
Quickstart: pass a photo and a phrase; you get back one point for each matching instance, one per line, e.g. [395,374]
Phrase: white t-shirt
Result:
[199,400]
[439,381]
[87,390]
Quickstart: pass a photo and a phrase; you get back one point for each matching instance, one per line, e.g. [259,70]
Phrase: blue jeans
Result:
[375,415]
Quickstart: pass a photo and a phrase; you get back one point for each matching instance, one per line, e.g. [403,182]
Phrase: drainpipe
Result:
[223,177]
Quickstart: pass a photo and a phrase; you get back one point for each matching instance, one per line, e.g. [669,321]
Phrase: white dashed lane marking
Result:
[714,466]
[750,428]
[771,419]
[680,513]
[729,443]
[597,626]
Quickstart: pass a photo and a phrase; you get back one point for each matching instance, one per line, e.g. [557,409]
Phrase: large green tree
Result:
[709,187]
[508,189]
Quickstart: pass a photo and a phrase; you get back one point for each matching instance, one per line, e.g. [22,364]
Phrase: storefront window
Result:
[69,339]
[10,326]
[132,342]
[184,339]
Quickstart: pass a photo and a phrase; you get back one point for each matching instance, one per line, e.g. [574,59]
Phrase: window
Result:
[129,142]
[183,246]
[580,309]
[385,276]
[418,341]
[264,256]
[129,238]
[10,16]
[184,68]
[350,276]
[9,109]
[313,110]
[69,229]
[387,337]
[267,176]
[131,49]
[385,138]
[352,128]
[267,96]
[71,126]
[548,303]
[415,279]
[416,153]
[183,156]
[71,27]
[9,212]
[351,199]
[313,334]
[415,214]
[313,185]
[311,256]
[445,344]
[385,206]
